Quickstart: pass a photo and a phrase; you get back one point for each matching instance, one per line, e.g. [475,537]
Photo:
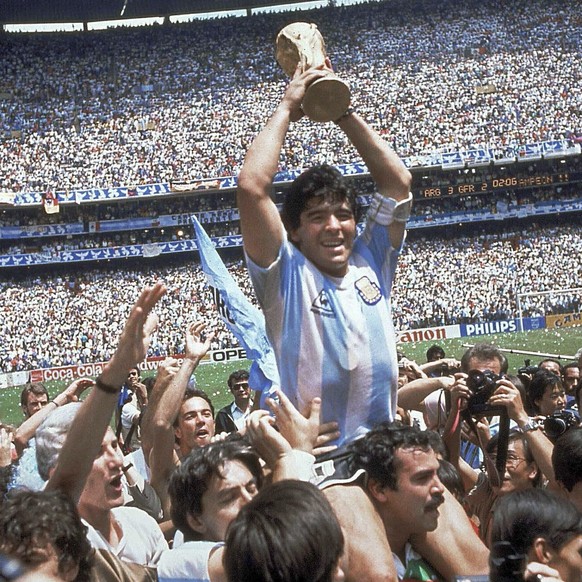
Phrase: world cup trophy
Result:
[326,99]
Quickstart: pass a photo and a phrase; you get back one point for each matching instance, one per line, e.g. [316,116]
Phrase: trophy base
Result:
[326,99]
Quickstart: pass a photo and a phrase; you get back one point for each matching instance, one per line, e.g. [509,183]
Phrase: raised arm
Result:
[86,433]
[388,171]
[164,408]
[261,226]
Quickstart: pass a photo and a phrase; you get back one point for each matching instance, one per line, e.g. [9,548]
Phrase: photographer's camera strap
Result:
[495,471]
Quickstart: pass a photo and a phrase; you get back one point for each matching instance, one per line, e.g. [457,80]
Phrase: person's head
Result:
[571,377]
[194,425]
[402,468]
[435,353]
[43,530]
[567,464]
[545,393]
[551,365]
[103,488]
[211,486]
[521,470]
[544,527]
[483,357]
[238,383]
[133,377]
[319,214]
[51,435]
[287,533]
[32,398]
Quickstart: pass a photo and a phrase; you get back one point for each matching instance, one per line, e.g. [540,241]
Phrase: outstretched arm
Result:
[164,408]
[261,225]
[86,433]
[387,169]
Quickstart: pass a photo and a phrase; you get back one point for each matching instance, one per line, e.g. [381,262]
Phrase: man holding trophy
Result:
[325,293]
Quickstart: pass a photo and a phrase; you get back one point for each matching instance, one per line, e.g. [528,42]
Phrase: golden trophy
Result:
[326,99]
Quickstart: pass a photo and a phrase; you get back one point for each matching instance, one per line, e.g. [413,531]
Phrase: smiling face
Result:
[103,490]
[519,473]
[326,235]
[195,424]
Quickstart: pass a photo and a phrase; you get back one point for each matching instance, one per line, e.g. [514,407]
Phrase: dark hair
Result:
[31,521]
[567,458]
[376,451]
[569,365]
[553,361]
[484,352]
[236,376]
[515,434]
[451,479]
[320,181]
[287,533]
[195,393]
[435,352]
[541,381]
[149,383]
[191,479]
[523,516]
[36,388]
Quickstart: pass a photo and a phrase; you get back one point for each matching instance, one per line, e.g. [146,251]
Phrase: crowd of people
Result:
[457,466]
[182,102]
[65,318]
[77,505]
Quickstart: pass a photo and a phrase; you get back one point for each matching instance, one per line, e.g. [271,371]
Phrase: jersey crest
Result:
[368,290]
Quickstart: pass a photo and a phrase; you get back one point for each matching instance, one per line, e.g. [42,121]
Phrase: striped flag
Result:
[242,318]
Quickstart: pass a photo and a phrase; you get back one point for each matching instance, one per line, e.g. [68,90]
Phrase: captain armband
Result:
[385,211]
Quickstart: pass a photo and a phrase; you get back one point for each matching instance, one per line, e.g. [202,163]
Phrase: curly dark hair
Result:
[376,451]
[322,181]
[32,522]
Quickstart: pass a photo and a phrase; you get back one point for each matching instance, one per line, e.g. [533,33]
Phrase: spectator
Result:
[233,416]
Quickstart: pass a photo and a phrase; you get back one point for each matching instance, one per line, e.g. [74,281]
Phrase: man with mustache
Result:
[402,482]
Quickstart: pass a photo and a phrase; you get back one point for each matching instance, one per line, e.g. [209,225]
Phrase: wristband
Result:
[127,467]
[385,211]
[105,387]
[54,402]
[347,113]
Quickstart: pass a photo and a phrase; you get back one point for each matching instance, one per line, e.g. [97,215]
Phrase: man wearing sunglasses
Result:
[233,416]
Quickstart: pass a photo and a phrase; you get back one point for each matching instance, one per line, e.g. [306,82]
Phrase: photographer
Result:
[528,449]
[546,394]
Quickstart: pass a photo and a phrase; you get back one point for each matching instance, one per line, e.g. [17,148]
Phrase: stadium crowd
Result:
[78,502]
[479,457]
[72,317]
[182,102]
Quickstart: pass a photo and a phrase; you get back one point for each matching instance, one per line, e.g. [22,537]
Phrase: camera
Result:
[482,385]
[559,422]
[527,370]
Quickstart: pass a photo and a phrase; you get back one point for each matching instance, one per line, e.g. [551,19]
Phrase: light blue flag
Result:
[242,318]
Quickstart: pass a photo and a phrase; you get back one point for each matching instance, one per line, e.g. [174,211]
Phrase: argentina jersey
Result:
[334,337]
